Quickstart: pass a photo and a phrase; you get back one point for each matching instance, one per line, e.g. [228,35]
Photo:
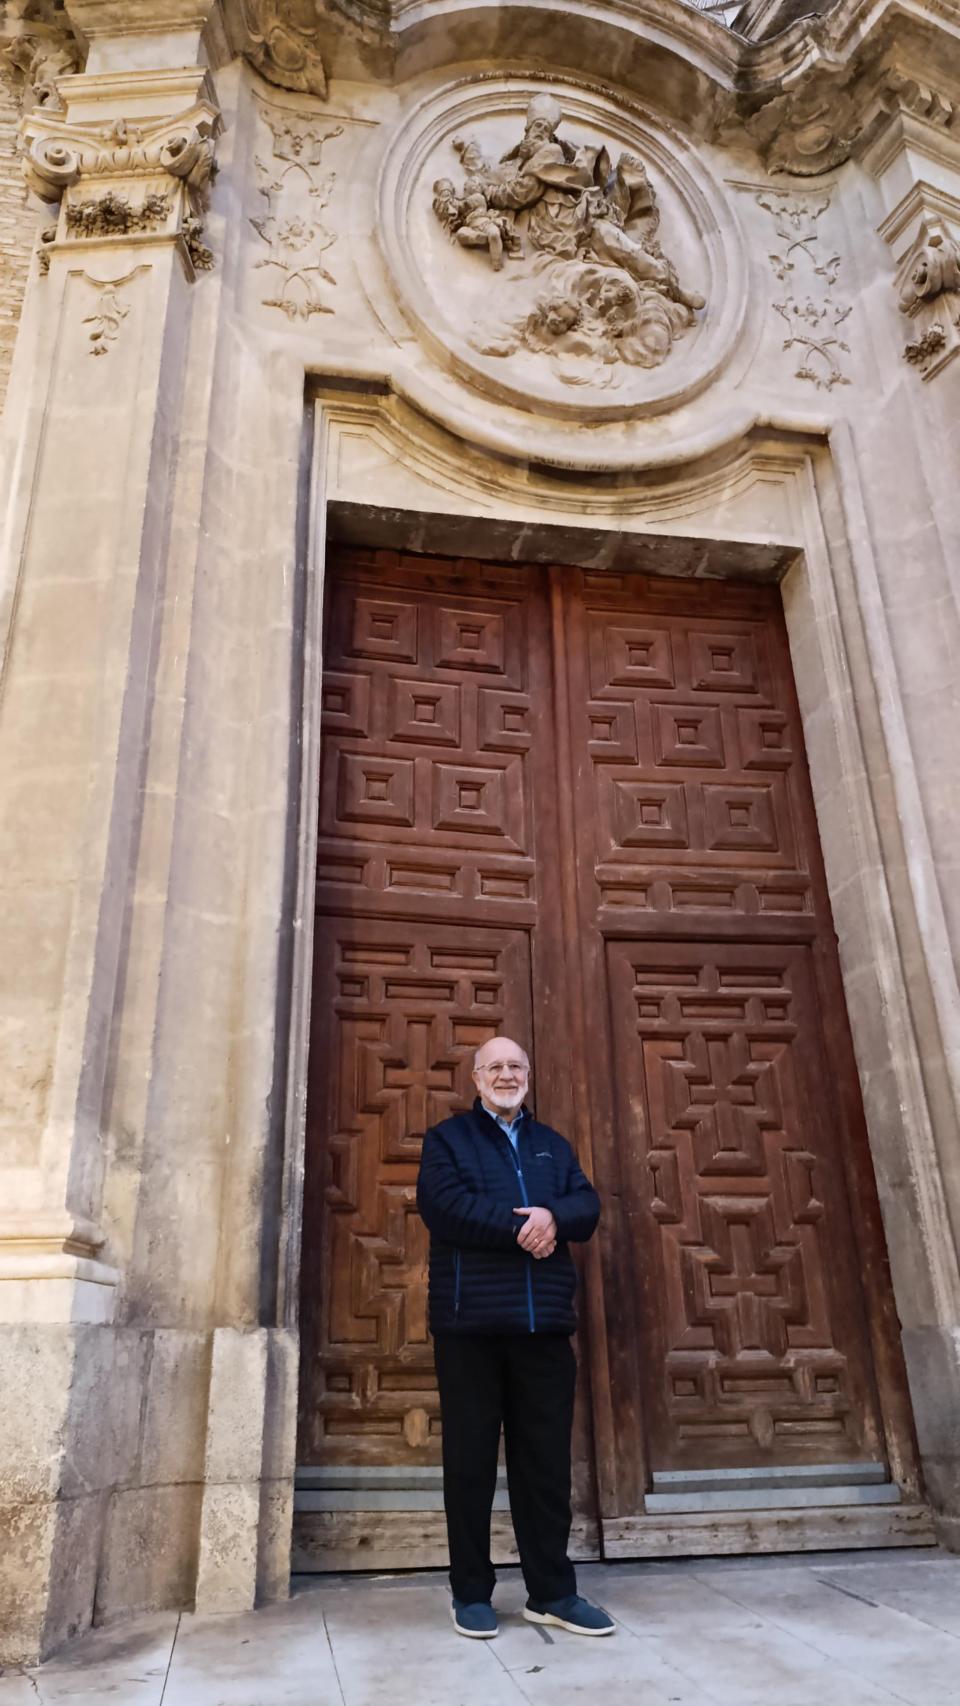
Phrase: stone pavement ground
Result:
[823,1629]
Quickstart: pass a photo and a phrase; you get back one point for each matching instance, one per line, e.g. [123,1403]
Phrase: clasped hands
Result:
[538,1235]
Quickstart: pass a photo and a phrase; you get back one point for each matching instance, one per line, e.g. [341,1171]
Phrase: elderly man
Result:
[503,1196]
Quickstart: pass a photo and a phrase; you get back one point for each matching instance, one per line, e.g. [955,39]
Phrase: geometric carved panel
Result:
[471,639]
[375,790]
[399,1010]
[427,757]
[663,690]
[383,629]
[741,817]
[424,712]
[722,663]
[631,657]
[760,1345]
[650,814]
[688,734]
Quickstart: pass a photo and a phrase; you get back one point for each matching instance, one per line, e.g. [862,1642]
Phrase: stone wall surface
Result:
[165,505]
[17,231]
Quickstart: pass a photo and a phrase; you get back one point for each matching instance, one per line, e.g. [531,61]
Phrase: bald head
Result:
[501,1072]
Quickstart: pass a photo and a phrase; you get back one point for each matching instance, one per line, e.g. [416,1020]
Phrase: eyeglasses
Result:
[517,1067]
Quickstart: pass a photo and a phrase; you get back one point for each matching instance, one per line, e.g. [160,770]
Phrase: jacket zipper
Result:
[515,1158]
[456,1282]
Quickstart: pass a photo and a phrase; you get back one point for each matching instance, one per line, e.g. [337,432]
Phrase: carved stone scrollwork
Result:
[928,290]
[296,192]
[809,306]
[281,42]
[121,182]
[105,321]
[807,130]
[58,154]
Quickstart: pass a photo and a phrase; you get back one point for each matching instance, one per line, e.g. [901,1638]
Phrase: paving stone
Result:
[827,1630]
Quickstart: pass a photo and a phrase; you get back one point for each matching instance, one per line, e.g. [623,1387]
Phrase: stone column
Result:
[90,446]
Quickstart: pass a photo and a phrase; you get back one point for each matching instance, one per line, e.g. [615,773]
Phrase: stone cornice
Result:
[803,96]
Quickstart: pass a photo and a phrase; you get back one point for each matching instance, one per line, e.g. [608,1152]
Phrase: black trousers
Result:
[526,1384]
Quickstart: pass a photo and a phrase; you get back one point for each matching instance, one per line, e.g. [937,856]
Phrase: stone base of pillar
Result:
[140,1469]
[933,1368]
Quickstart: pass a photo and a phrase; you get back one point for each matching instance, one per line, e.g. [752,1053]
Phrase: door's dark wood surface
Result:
[719,1120]
[575,807]
[434,803]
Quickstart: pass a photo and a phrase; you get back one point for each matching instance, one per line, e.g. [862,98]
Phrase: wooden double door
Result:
[574,808]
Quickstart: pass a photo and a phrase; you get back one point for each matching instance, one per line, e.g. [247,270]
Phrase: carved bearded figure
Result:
[607,295]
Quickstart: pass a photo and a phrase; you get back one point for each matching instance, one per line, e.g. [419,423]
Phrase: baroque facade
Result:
[599,359]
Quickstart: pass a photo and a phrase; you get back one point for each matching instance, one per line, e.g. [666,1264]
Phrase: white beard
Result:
[508,1100]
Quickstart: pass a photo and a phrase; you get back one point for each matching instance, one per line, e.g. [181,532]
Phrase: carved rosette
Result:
[118,182]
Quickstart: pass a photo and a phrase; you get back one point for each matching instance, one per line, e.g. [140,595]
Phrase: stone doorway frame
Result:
[696,520]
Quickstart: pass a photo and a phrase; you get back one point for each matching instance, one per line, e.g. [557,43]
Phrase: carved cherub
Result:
[471,221]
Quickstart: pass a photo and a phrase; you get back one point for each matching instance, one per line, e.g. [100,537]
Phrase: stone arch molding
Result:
[634,308]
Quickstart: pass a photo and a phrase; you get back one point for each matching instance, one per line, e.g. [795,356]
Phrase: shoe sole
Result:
[472,1634]
[561,1623]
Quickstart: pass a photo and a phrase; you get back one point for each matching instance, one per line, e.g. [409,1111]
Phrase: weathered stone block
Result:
[227,1568]
[238,1378]
[933,1366]
[149,1550]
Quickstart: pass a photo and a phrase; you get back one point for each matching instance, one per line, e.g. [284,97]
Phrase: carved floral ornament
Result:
[560,248]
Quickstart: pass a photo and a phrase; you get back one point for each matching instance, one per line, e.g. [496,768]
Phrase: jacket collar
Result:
[523,1112]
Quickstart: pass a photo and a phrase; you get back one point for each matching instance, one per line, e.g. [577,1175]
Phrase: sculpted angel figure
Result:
[471,222]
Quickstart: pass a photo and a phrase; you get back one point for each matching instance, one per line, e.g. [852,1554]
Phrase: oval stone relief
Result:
[560,249]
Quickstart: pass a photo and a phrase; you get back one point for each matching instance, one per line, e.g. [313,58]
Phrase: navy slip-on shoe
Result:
[479,1620]
[572,1613]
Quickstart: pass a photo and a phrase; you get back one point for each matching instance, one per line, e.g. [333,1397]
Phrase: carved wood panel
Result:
[426,888]
[580,810]
[399,1010]
[705,918]
[756,1344]
[426,788]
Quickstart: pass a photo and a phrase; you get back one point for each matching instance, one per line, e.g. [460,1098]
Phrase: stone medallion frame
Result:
[702,516]
[698,232]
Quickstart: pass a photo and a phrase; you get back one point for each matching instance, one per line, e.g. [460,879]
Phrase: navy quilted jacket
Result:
[470,1182]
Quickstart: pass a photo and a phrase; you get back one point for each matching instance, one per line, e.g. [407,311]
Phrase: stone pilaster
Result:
[123,157]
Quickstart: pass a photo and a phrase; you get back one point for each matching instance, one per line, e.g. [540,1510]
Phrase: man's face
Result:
[502,1074]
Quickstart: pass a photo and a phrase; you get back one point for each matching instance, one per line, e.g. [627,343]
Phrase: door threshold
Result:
[813,1528]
